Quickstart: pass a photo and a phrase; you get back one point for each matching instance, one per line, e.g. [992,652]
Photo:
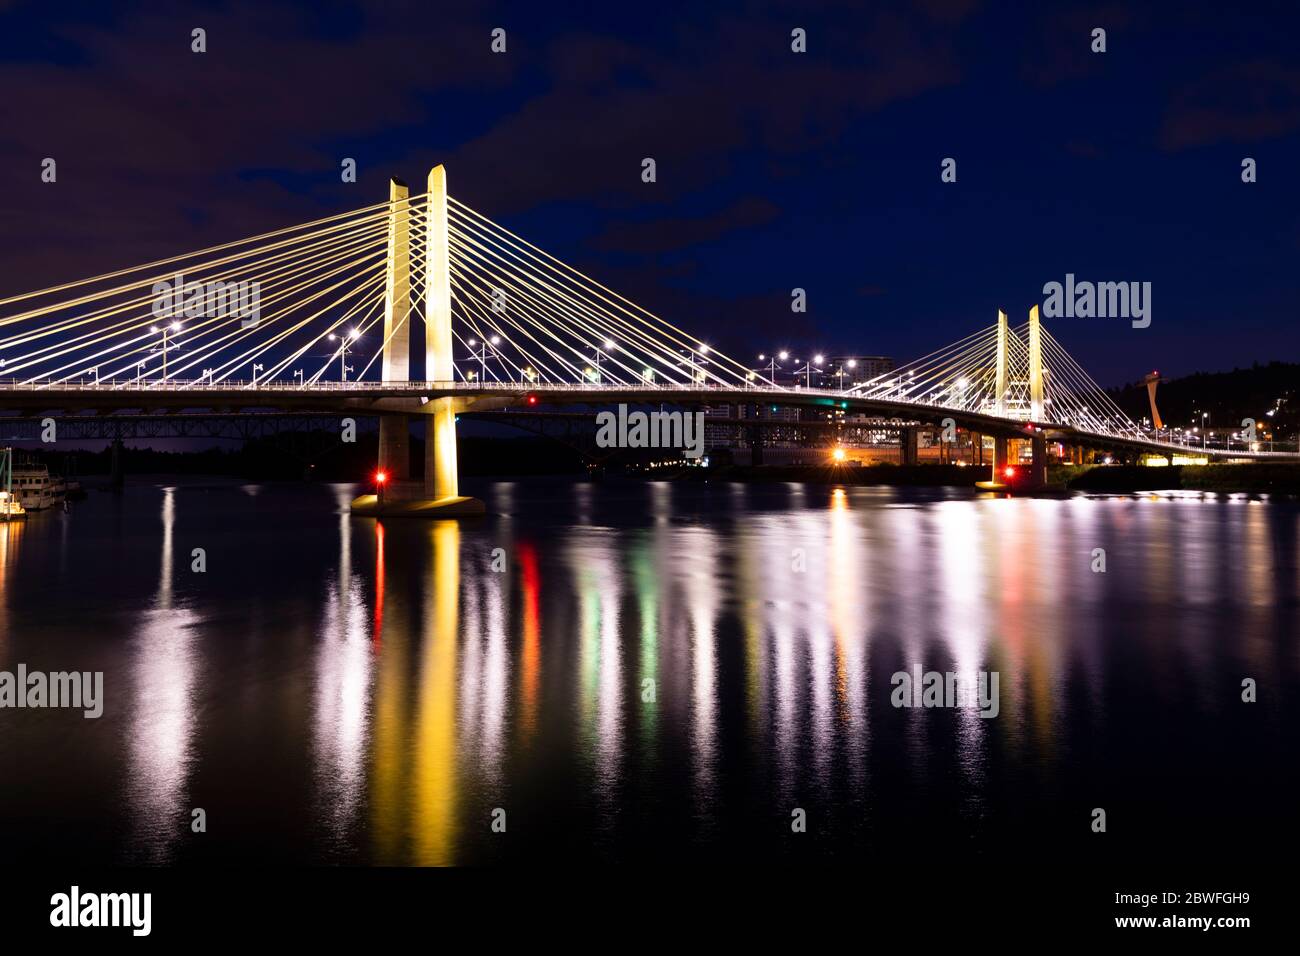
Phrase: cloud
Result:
[1241,103]
[673,234]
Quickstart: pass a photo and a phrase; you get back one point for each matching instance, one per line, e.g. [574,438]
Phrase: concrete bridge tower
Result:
[441,496]
[1000,402]
[1035,367]
[395,429]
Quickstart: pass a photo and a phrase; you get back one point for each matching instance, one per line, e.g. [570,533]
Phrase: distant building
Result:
[865,367]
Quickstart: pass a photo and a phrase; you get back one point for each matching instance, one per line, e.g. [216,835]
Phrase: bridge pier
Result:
[999,458]
[755,437]
[910,441]
[1038,463]
[395,447]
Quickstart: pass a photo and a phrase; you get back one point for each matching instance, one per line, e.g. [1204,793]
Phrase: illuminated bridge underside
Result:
[318,319]
[414,398]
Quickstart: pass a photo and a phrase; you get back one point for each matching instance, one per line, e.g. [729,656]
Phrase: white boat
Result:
[34,489]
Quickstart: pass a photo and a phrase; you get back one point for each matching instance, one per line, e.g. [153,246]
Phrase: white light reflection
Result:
[344,660]
[485,677]
[850,623]
[594,559]
[698,549]
[160,748]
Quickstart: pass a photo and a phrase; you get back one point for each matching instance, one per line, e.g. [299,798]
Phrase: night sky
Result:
[776,170]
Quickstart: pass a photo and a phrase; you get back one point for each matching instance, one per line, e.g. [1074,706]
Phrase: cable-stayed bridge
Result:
[421,305]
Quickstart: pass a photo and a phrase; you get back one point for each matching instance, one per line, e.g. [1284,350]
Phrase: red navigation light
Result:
[532,399]
[1010,472]
[381,476]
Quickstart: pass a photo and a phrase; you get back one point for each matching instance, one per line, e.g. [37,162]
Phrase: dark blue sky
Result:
[775,170]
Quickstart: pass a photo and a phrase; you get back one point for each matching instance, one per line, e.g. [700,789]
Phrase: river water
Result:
[651,672]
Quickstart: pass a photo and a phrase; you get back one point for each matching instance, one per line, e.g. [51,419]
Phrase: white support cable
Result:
[373,314]
[143,321]
[597,289]
[149,280]
[229,330]
[553,300]
[540,307]
[245,358]
[197,330]
[353,257]
[364,292]
[458,279]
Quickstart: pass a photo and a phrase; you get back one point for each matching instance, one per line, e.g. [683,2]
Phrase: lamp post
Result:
[697,373]
[609,346]
[482,354]
[343,341]
[170,327]
[257,368]
[297,373]
[851,363]
[771,365]
[807,370]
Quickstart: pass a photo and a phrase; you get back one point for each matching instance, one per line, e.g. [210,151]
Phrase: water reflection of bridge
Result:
[417,689]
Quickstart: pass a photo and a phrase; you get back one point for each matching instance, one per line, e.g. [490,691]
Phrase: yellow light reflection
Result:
[435,784]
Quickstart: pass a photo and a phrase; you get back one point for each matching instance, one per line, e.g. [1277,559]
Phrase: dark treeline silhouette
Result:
[314,456]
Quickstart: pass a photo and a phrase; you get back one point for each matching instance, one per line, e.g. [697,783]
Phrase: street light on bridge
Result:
[343,341]
[481,356]
[852,364]
[609,346]
[771,365]
[170,327]
[697,372]
[807,370]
